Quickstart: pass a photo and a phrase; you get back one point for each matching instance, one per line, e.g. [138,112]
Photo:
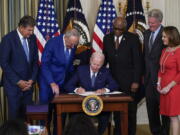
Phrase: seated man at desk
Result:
[93,77]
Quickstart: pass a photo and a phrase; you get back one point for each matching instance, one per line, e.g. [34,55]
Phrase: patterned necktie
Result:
[117,42]
[25,47]
[93,78]
[151,40]
[67,54]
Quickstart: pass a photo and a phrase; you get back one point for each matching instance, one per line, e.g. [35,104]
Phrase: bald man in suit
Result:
[122,51]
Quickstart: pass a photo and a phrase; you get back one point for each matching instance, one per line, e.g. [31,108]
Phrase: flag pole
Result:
[134,16]
[75,14]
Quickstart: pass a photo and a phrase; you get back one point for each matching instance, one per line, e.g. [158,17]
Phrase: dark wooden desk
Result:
[73,103]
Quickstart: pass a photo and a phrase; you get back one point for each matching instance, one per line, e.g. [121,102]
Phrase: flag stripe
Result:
[98,32]
[97,40]
[40,47]
[96,47]
[105,16]
[47,26]
[39,36]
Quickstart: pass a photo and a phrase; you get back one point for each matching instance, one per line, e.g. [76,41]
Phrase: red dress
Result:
[170,71]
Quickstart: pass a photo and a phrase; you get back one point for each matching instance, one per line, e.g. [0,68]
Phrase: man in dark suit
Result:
[56,68]
[57,64]
[83,80]
[19,61]
[122,51]
[153,46]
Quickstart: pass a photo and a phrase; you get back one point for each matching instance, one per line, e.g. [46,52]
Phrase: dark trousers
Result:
[132,110]
[159,125]
[46,95]
[103,120]
[17,102]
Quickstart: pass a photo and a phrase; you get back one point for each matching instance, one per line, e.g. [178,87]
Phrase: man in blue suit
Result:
[56,67]
[84,80]
[19,62]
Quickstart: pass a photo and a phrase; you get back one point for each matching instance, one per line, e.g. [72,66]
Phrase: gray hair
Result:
[156,13]
[98,54]
[72,32]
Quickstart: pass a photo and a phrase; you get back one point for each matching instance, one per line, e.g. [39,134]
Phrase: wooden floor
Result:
[141,130]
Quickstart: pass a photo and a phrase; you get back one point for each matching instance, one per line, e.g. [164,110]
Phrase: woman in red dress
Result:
[169,77]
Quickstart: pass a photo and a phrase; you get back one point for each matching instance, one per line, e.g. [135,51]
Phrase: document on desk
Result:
[88,93]
[113,92]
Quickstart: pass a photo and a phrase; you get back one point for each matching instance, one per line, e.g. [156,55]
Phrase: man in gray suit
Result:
[153,46]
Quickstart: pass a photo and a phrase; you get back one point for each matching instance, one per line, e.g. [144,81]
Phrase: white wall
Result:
[90,8]
[172,13]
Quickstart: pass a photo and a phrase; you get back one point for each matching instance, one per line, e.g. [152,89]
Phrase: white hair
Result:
[99,55]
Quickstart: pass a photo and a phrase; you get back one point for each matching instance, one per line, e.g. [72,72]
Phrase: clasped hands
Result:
[25,85]
[134,87]
[166,89]
[82,90]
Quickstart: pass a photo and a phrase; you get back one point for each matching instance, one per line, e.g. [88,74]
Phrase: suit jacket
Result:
[125,63]
[14,62]
[152,57]
[54,66]
[82,79]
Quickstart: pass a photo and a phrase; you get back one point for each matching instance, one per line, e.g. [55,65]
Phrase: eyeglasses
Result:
[118,29]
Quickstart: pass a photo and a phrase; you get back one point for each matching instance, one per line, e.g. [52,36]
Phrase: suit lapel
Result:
[98,77]
[158,37]
[88,74]
[147,41]
[72,53]
[19,44]
[30,49]
[112,42]
[123,41]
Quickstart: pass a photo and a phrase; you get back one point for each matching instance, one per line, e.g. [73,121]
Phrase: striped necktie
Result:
[151,40]
[93,78]
[67,54]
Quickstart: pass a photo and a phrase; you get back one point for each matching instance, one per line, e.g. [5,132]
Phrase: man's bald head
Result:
[119,26]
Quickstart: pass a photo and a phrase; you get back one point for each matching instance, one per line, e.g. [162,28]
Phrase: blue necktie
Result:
[93,78]
[67,54]
[24,44]
[151,40]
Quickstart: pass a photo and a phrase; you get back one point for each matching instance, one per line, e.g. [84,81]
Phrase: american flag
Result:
[76,18]
[103,26]
[135,17]
[47,26]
